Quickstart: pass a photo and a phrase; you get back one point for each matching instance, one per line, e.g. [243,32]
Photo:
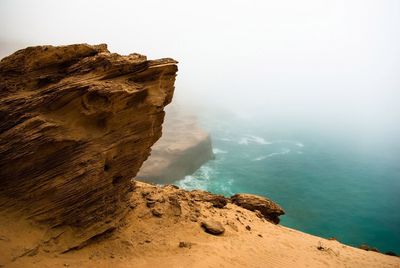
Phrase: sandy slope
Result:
[146,240]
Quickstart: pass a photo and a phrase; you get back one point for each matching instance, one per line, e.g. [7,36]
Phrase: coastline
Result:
[182,149]
[172,239]
[76,131]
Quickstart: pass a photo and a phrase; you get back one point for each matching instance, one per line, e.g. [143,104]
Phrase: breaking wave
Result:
[219,151]
[253,139]
[199,180]
[297,143]
[284,151]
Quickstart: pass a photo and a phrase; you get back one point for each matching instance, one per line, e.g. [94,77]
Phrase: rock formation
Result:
[267,208]
[183,148]
[76,124]
[212,227]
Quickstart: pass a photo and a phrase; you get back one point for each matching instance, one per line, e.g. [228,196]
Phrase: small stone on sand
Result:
[212,227]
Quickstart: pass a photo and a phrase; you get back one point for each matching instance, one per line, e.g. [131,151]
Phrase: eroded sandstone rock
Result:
[212,227]
[76,124]
[218,201]
[269,209]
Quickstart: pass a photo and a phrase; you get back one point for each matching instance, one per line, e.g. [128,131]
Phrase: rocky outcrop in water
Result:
[76,124]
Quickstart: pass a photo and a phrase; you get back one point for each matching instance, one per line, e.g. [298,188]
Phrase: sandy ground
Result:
[146,240]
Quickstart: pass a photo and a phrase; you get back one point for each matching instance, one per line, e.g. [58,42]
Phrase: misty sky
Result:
[314,60]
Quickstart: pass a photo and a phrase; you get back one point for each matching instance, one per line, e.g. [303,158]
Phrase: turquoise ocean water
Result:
[329,185]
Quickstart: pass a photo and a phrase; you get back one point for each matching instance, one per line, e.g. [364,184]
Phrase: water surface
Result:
[329,184]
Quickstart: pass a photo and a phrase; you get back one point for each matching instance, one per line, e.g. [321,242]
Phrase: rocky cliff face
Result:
[183,148]
[76,124]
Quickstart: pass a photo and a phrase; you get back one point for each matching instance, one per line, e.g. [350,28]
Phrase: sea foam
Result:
[193,182]
[297,143]
[219,151]
[282,152]
[252,139]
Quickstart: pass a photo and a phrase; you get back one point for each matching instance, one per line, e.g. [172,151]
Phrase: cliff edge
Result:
[76,124]
[170,227]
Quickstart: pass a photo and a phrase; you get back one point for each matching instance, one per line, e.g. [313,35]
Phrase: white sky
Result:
[309,59]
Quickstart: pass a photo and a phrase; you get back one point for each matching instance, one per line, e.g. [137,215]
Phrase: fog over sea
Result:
[330,184]
[302,98]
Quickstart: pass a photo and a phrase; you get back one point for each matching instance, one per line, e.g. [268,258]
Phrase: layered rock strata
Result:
[76,124]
